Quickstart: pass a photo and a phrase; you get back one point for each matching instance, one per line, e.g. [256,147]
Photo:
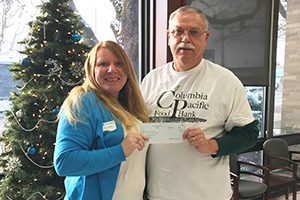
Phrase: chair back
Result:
[233,164]
[276,147]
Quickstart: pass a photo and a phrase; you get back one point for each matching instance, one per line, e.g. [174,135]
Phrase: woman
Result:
[98,132]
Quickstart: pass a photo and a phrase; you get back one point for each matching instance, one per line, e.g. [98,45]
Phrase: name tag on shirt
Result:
[109,126]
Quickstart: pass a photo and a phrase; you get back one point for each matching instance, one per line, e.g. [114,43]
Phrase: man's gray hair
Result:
[190,9]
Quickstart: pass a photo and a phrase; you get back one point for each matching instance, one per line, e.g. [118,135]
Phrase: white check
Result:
[160,133]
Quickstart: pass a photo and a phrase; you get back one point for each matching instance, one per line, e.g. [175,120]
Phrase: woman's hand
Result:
[197,139]
[133,141]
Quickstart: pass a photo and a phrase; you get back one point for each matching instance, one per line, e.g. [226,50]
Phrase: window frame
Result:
[269,90]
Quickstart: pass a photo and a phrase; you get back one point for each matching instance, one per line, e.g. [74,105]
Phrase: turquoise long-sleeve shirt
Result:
[87,154]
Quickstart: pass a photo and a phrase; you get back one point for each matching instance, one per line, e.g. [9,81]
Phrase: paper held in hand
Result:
[163,133]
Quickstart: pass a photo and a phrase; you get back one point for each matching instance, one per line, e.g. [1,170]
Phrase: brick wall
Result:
[290,119]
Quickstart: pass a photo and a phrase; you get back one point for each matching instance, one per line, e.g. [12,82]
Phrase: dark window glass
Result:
[239,37]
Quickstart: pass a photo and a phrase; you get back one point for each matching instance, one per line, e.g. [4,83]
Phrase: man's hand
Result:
[197,139]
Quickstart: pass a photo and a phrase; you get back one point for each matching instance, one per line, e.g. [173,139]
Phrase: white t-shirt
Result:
[209,97]
[131,179]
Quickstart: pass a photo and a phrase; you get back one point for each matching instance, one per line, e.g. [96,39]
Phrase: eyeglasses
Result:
[192,33]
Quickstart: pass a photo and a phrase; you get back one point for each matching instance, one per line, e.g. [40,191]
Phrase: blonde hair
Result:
[127,108]
[190,9]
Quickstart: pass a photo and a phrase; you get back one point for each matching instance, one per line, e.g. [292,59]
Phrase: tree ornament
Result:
[55,111]
[26,62]
[19,113]
[31,150]
[76,69]
[76,37]
[56,69]
[13,164]
[36,108]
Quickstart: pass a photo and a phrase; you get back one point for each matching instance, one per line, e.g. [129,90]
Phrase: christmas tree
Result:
[53,61]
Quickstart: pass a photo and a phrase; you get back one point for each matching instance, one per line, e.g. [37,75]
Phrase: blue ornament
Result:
[31,150]
[26,62]
[76,37]
[55,110]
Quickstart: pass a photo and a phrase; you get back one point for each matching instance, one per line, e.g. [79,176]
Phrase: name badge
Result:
[109,126]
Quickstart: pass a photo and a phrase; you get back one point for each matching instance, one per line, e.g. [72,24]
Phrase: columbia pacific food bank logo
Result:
[174,106]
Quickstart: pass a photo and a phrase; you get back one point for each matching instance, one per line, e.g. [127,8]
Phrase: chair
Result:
[297,160]
[283,171]
[245,188]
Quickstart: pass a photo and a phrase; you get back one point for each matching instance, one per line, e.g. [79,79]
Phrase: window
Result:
[287,89]
[6,86]
[113,20]
[256,96]
[14,28]
[104,20]
[274,97]
[239,41]
[239,37]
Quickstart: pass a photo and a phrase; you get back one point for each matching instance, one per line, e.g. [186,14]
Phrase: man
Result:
[211,100]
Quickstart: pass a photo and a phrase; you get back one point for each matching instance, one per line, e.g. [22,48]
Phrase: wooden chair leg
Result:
[287,193]
[294,193]
[266,195]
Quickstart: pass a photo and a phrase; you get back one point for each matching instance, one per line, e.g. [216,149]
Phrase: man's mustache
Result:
[185,46]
